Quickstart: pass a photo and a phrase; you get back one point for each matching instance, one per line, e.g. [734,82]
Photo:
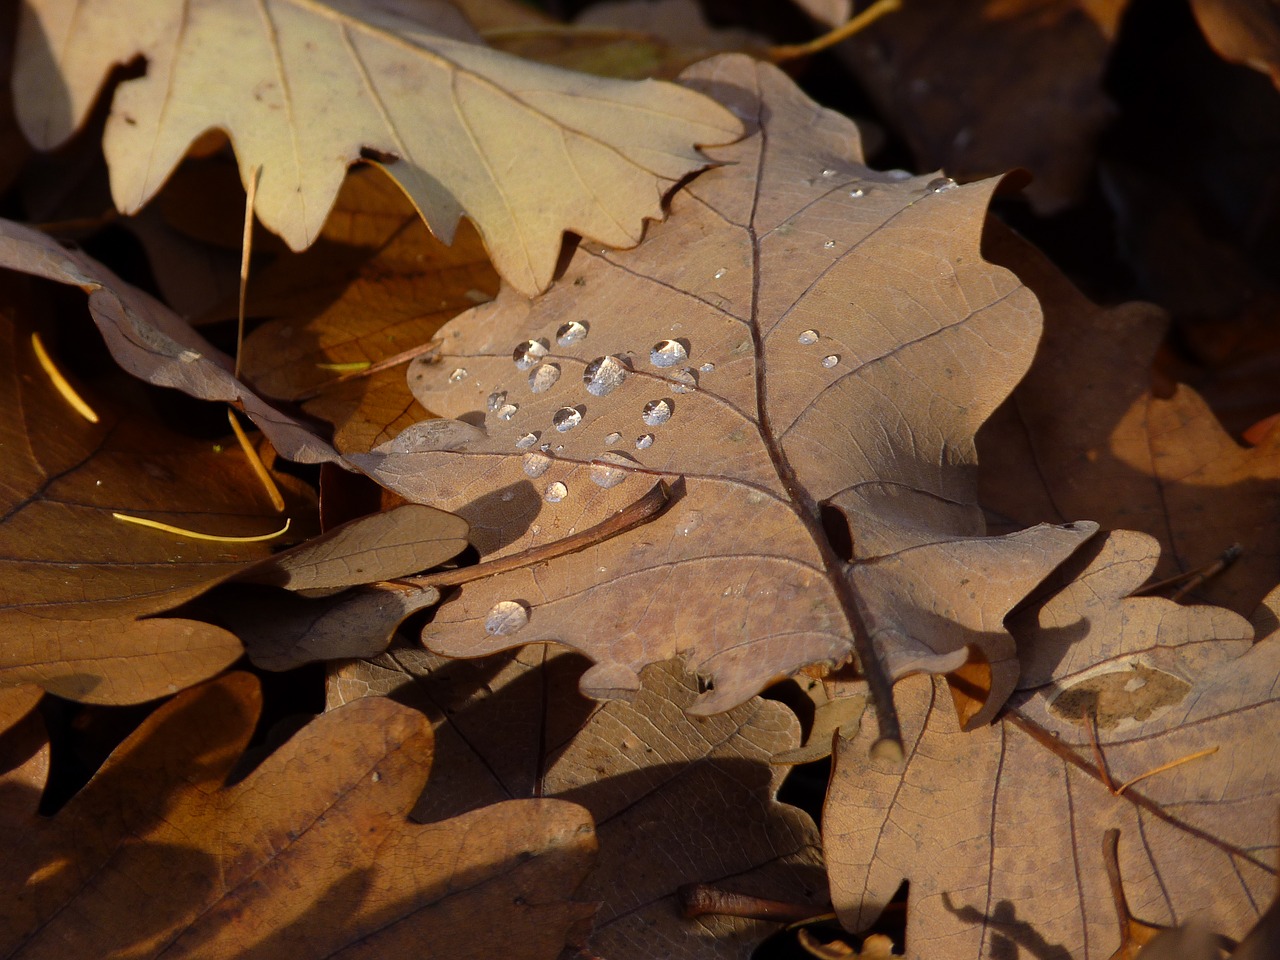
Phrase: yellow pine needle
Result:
[838,35]
[255,461]
[60,382]
[1165,766]
[196,535]
[354,366]
[246,245]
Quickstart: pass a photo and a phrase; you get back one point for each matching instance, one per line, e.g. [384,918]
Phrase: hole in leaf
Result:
[836,525]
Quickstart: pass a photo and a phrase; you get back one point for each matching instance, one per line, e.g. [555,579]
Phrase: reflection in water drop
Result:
[607,470]
[656,412]
[898,174]
[566,418]
[544,377]
[571,332]
[644,441]
[496,399]
[719,274]
[683,380]
[829,172]
[829,245]
[458,375]
[603,374]
[555,492]
[830,361]
[508,410]
[527,441]
[667,353]
[612,438]
[857,193]
[505,618]
[535,464]
[941,185]
[528,353]
[707,368]
[690,522]
[808,337]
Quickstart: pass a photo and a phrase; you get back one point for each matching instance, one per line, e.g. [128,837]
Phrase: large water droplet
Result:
[535,464]
[608,469]
[458,375]
[527,440]
[683,380]
[667,353]
[496,399]
[808,337]
[555,492]
[688,523]
[612,438]
[644,441]
[508,410]
[566,418]
[603,375]
[528,353]
[830,360]
[544,377]
[941,185]
[656,412]
[570,333]
[505,618]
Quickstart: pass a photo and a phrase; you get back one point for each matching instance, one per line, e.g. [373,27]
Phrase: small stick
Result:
[701,899]
[841,33]
[255,461]
[60,382]
[195,535]
[246,245]
[1193,578]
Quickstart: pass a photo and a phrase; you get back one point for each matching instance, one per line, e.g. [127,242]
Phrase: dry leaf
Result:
[657,782]
[310,855]
[805,333]
[1000,830]
[525,151]
[1243,31]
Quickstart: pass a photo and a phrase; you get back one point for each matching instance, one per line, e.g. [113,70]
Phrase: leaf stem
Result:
[794,51]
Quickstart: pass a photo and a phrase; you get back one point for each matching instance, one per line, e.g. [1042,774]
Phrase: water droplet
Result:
[808,337]
[535,464]
[857,193]
[941,185]
[613,438]
[898,174]
[527,440]
[683,380]
[656,412]
[829,172]
[508,410]
[555,492]
[528,353]
[608,470]
[505,618]
[544,377]
[830,361]
[644,441]
[496,399]
[508,496]
[566,418]
[571,332]
[458,375]
[708,368]
[719,275]
[829,245]
[690,522]
[667,353]
[603,374]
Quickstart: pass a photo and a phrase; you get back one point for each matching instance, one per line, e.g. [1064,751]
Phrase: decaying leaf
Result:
[659,784]
[310,855]
[305,89]
[805,341]
[1000,830]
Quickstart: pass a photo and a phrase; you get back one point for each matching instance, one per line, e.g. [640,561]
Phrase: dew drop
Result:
[829,245]
[544,377]
[941,185]
[555,492]
[526,441]
[608,470]
[857,193]
[683,380]
[613,438]
[829,172]
[830,361]
[667,353]
[505,618]
[603,375]
[808,337]
[566,418]
[719,274]
[570,333]
[535,464]
[644,441]
[656,412]
[508,410]
[496,400]
[690,522]
[707,368]
[528,353]
[458,375]
[898,174]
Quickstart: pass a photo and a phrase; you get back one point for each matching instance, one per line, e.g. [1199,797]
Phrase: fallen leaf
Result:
[656,781]
[309,855]
[464,129]
[999,830]
[1122,455]
[1243,31]
[806,335]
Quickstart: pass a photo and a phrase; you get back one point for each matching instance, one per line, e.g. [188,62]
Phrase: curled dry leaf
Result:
[657,782]
[806,338]
[526,151]
[310,855]
[1000,830]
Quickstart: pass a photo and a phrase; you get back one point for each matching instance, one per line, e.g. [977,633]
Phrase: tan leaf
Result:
[659,784]
[524,150]
[807,333]
[1000,830]
[310,855]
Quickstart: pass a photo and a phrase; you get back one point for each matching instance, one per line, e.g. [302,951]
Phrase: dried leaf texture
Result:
[303,87]
[657,782]
[805,332]
[310,855]
[1019,810]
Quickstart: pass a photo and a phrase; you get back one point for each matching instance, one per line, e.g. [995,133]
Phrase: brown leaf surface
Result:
[1000,830]
[312,87]
[657,782]
[1121,454]
[1243,31]
[310,855]
[793,240]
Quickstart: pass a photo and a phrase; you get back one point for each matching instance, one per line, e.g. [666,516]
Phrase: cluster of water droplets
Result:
[808,338]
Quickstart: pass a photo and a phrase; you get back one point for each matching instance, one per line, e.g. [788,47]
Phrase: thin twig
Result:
[838,35]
